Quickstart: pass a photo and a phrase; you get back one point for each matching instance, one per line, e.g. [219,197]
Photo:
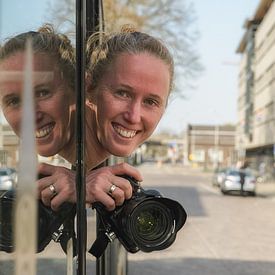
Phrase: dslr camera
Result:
[51,225]
[147,222]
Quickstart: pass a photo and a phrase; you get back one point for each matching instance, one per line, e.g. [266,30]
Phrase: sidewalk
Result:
[265,189]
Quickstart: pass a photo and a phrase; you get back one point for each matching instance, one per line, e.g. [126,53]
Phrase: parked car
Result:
[218,176]
[239,180]
[8,179]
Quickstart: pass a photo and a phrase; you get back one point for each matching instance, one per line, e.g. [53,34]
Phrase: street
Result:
[223,234]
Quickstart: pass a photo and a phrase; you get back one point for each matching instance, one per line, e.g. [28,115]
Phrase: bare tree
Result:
[173,21]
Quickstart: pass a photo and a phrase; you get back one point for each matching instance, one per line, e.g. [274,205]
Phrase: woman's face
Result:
[130,99]
[53,100]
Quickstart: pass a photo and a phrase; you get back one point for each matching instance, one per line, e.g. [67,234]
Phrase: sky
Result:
[214,100]
[220,24]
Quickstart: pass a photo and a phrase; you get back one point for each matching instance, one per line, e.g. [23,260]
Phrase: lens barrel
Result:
[48,221]
[6,233]
[151,224]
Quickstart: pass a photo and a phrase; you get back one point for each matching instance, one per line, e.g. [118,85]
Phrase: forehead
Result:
[41,62]
[12,68]
[145,60]
[143,70]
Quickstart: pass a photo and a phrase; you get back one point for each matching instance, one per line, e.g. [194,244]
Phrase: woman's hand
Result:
[56,185]
[102,185]
[106,186]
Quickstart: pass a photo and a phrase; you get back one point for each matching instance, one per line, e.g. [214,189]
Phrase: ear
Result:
[90,104]
[90,94]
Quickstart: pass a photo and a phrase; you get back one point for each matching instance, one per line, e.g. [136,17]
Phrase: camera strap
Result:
[104,233]
[100,244]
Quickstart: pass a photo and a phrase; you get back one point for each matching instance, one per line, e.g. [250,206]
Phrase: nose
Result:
[39,116]
[133,114]
[39,107]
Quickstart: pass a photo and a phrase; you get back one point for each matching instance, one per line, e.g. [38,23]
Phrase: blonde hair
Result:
[45,40]
[103,49]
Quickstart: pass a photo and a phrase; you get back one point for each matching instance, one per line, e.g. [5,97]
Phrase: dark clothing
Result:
[242,181]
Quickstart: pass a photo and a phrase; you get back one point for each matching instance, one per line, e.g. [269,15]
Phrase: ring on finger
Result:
[112,189]
[53,190]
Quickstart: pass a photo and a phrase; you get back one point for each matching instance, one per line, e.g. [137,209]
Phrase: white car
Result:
[8,178]
[218,176]
[239,180]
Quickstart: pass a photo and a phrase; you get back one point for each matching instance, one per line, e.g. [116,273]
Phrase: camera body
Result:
[48,223]
[147,221]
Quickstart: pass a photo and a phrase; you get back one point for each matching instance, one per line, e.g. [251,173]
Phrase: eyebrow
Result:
[15,93]
[157,97]
[19,75]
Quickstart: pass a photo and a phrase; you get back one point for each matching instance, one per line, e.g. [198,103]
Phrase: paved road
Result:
[224,235]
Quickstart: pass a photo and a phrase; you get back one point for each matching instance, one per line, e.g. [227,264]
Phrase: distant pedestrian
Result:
[242,181]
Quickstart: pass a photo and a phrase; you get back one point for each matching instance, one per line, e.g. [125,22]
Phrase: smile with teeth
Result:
[44,131]
[123,132]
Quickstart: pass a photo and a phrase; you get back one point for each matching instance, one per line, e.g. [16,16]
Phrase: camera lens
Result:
[150,224]
[7,203]
[6,232]
[147,222]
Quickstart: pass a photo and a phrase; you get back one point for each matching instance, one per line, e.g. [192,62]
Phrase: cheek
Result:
[58,107]
[153,120]
[106,110]
[63,116]
[14,120]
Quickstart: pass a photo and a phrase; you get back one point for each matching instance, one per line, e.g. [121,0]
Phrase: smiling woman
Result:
[53,73]
[128,84]
[53,100]
[130,77]
[129,101]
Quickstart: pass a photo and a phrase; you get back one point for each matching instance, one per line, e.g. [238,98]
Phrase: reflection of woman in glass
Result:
[53,74]
[128,83]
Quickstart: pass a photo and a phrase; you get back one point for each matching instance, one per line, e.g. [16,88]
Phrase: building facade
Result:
[8,146]
[9,150]
[255,137]
[164,147]
[210,146]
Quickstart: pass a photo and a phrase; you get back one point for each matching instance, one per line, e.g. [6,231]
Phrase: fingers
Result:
[126,169]
[120,190]
[98,183]
[57,187]
[105,199]
[123,189]
[101,181]
[45,169]
[46,195]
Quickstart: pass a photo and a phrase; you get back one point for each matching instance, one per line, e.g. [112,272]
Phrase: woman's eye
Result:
[42,93]
[151,102]
[12,102]
[122,93]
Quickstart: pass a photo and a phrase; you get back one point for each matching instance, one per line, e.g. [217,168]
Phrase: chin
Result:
[46,152]
[121,153]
